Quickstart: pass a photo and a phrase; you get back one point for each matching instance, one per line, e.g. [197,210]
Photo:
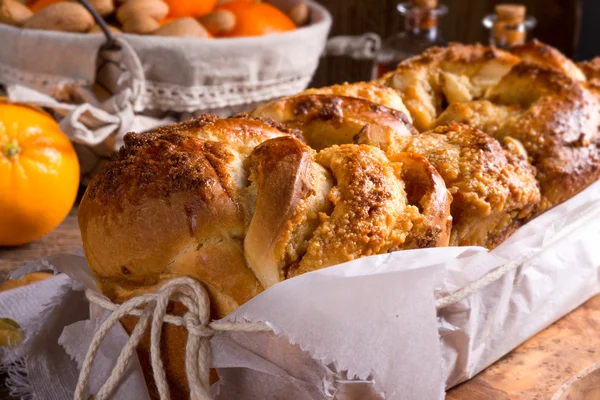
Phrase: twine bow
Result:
[152,308]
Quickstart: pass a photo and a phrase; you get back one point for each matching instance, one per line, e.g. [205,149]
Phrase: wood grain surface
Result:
[65,238]
[563,360]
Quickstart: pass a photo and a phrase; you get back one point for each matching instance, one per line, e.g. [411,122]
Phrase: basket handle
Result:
[111,41]
[362,47]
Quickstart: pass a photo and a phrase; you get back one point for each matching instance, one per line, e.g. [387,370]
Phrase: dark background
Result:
[589,42]
[561,23]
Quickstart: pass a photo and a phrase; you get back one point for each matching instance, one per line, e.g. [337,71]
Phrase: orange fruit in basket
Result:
[37,5]
[190,8]
[39,174]
[257,19]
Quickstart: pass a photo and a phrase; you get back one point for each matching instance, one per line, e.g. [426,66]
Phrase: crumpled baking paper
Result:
[368,329]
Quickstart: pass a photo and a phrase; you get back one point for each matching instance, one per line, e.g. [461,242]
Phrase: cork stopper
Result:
[431,4]
[511,12]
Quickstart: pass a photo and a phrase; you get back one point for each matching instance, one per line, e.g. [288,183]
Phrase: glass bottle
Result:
[509,25]
[420,32]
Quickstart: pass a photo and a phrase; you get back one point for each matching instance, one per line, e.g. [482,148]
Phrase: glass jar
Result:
[509,25]
[420,32]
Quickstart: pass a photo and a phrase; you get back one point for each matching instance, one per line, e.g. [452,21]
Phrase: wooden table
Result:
[64,239]
[560,363]
[567,351]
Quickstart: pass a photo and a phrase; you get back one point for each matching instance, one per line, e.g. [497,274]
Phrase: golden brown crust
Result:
[370,215]
[458,56]
[241,133]
[557,125]
[178,191]
[171,204]
[545,56]
[159,193]
[378,94]
[426,190]
[481,114]
[305,220]
[446,75]
[591,69]
[327,120]
[291,192]
[156,165]
[493,191]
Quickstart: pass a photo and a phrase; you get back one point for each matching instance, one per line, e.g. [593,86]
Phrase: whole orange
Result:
[257,19]
[190,8]
[39,174]
[37,5]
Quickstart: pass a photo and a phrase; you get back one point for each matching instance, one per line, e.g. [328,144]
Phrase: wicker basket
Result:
[147,81]
[175,74]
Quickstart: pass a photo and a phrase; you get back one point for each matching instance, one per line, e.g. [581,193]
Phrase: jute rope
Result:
[152,308]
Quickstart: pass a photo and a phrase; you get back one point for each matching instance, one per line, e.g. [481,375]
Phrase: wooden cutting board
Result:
[560,363]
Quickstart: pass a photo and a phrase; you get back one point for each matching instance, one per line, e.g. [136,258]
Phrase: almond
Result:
[219,22]
[13,12]
[183,27]
[155,9]
[299,13]
[64,17]
[142,25]
[104,7]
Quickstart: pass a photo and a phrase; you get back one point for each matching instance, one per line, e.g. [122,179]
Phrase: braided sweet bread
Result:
[591,70]
[442,76]
[555,119]
[458,146]
[240,204]
[335,115]
[240,192]
[143,219]
[494,190]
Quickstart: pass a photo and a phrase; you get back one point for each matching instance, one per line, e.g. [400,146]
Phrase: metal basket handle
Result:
[361,47]
[111,41]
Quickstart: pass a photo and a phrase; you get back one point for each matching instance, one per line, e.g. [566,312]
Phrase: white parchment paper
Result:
[368,329]
[481,329]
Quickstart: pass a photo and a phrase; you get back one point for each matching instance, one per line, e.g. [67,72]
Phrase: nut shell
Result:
[13,12]
[146,9]
[219,22]
[183,27]
[104,7]
[63,17]
[299,13]
[141,25]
